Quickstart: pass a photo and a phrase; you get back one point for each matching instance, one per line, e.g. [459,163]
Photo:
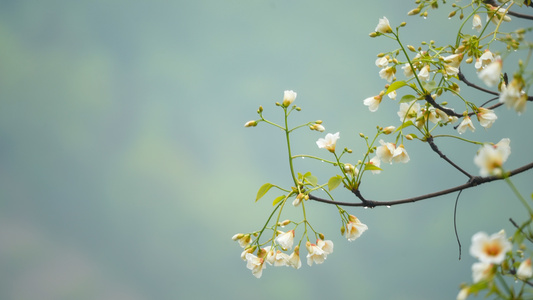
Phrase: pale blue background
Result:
[125,167]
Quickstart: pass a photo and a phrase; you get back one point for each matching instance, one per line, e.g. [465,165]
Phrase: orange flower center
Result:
[492,249]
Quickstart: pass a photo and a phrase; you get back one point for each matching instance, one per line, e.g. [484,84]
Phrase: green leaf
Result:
[394,86]
[311,179]
[407,98]
[518,238]
[278,199]
[372,167]
[429,86]
[334,182]
[263,190]
[404,125]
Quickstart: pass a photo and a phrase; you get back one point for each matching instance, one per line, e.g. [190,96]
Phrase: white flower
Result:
[270,255]
[476,23]
[288,98]
[466,123]
[491,249]
[329,142]
[497,14]
[387,73]
[407,70]
[525,271]
[424,73]
[285,239]
[243,239]
[451,70]
[315,254]
[513,95]
[351,170]
[294,259]
[382,62]
[490,158]
[383,26]
[486,117]
[318,127]
[376,162]
[318,252]
[453,61]
[385,152]
[354,228]
[392,95]
[255,264]
[463,293]
[486,58]
[400,155]
[281,259]
[491,73]
[481,271]
[409,111]
[373,102]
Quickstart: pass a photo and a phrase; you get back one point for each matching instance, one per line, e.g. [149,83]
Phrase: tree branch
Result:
[436,150]
[474,181]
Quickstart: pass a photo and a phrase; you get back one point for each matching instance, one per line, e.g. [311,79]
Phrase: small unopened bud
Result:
[389,129]
[411,48]
[452,14]
[409,137]
[278,104]
[260,109]
[413,11]
[349,151]
[306,197]
[298,108]
[469,60]
[381,54]
[361,135]
[318,121]
[321,236]
[373,34]
[343,229]
[284,223]
[238,236]
[402,24]
[250,124]
[317,127]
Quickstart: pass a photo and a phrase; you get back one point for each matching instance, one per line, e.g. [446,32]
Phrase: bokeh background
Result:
[125,168]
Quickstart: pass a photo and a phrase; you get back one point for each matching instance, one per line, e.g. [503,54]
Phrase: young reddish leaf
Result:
[263,190]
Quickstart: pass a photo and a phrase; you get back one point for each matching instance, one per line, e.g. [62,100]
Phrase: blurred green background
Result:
[125,168]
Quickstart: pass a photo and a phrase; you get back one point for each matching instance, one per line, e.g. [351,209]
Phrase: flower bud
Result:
[252,123]
[402,24]
[288,97]
[411,48]
[321,236]
[373,34]
[389,129]
[343,229]
[452,14]
[409,137]
[260,109]
[413,11]
[284,223]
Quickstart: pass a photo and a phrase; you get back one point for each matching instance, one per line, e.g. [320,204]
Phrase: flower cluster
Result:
[492,253]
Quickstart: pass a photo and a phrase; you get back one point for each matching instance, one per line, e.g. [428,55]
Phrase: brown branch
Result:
[474,181]
[436,150]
